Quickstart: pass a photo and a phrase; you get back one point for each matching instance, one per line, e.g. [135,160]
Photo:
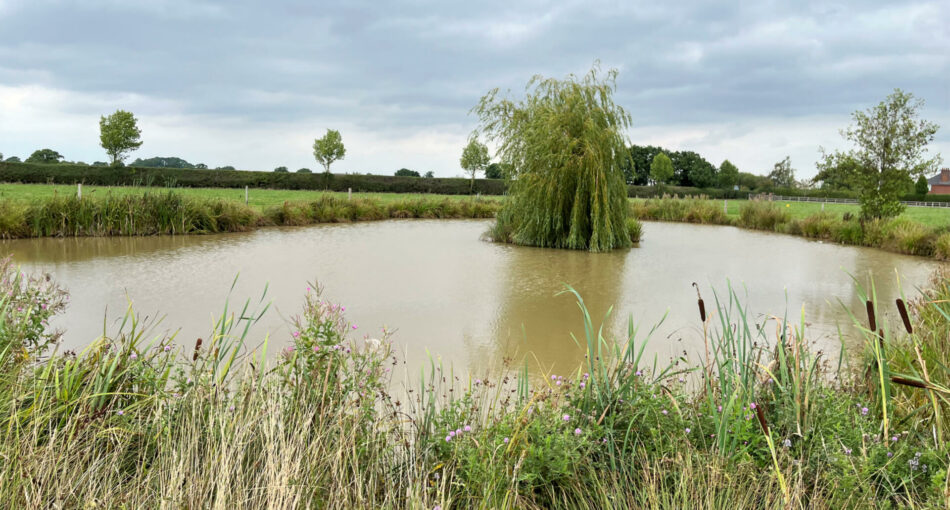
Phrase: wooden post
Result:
[349,193]
[245,195]
[79,191]
[822,207]
[725,207]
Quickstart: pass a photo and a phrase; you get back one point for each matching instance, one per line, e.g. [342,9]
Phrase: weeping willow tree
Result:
[563,146]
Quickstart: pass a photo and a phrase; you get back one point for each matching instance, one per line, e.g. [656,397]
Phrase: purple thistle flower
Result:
[577,431]
[120,412]
[566,417]
[687,430]
[864,411]
[665,412]
[448,438]
[467,428]
[505,440]
[752,405]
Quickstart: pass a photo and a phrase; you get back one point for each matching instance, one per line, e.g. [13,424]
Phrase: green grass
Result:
[931,216]
[139,421]
[257,198]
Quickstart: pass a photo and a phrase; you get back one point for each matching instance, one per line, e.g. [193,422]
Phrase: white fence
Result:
[779,198]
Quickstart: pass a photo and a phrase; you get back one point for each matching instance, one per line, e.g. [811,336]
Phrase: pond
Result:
[452,296]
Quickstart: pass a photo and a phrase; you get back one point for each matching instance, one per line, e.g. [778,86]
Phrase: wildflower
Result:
[638,373]
[553,377]
[688,430]
[296,334]
[681,379]
[451,433]
[864,411]
[120,412]
[847,451]
[890,454]
[437,507]
[458,432]
[665,412]
[787,443]
[477,382]
[133,356]
[583,385]
[586,375]
[567,417]
[354,326]
[719,408]
[558,383]
[168,348]
[343,309]
[577,431]
[468,428]
[316,348]
[752,405]
[448,438]
[231,408]
[894,439]
[505,440]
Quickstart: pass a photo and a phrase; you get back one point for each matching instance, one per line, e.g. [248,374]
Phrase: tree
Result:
[921,187]
[836,171]
[304,171]
[890,146]
[226,167]
[328,149]
[405,172]
[13,159]
[565,145]
[661,169]
[201,166]
[119,134]
[691,169]
[782,174]
[162,162]
[637,169]
[474,159]
[429,175]
[45,156]
[281,169]
[728,174]
[493,171]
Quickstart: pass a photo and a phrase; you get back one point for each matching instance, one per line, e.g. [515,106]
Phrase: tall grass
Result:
[137,421]
[168,212]
[685,209]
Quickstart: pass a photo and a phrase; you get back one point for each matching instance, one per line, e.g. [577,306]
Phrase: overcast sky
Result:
[251,84]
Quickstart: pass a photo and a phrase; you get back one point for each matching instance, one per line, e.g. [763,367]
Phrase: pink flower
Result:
[752,405]
[577,432]
[468,428]
[505,440]
[566,417]
[296,334]
[354,326]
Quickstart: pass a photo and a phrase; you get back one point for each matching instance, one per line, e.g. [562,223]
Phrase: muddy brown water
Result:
[451,296]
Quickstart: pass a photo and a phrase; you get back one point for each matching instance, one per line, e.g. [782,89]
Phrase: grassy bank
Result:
[919,231]
[174,212]
[132,422]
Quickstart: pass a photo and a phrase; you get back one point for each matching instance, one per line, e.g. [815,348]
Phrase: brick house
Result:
[940,184]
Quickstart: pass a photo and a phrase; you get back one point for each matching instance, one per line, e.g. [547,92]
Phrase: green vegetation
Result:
[132,420]
[169,212]
[191,178]
[474,158]
[782,174]
[921,231]
[890,145]
[405,172]
[44,157]
[661,169]
[565,144]
[119,134]
[328,149]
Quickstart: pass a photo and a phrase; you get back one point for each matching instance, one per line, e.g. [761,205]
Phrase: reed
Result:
[168,212]
[138,421]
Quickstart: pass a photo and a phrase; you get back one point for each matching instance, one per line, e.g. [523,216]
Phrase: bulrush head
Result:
[902,308]
[194,356]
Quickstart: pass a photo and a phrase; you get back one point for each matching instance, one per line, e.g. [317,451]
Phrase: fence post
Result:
[725,207]
[245,195]
[79,191]
[349,193]
[822,207]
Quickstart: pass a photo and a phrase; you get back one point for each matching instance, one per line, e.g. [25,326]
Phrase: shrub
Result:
[763,215]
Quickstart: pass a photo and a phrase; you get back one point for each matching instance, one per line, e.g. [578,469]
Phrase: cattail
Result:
[702,306]
[903,311]
[907,382]
[760,414]
[871,321]
[194,357]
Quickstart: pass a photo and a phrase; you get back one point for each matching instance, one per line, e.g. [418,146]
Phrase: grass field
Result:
[258,198]
[932,216]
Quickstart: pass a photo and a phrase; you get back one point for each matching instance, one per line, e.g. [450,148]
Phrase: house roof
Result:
[936,179]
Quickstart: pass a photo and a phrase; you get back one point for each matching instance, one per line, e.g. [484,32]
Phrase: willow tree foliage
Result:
[565,145]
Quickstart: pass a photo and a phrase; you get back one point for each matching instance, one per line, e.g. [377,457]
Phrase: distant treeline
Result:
[65,173]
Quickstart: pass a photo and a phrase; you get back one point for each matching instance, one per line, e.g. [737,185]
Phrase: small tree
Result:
[661,168]
[45,156]
[405,172]
[281,169]
[921,187]
[328,149]
[304,171]
[728,174]
[119,134]
[493,171]
[474,159]
[429,175]
[782,174]
[13,159]
[890,145]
